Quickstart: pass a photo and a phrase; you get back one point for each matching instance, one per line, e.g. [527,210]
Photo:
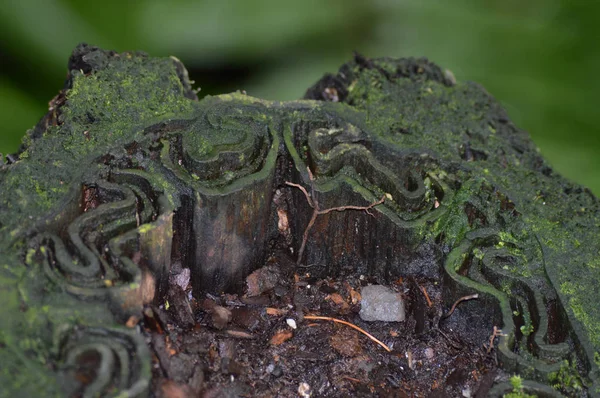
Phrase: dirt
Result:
[260,344]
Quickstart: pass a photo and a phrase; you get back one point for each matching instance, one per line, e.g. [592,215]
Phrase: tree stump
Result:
[129,178]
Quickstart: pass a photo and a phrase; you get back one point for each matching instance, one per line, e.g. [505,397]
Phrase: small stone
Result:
[291,323]
[429,353]
[380,303]
[304,390]
[221,316]
[277,371]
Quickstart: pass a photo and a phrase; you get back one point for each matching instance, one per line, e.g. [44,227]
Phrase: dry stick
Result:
[314,203]
[471,297]
[429,303]
[365,208]
[496,333]
[300,187]
[327,318]
[305,235]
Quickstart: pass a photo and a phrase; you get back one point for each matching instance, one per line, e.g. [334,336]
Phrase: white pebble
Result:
[291,323]
[304,390]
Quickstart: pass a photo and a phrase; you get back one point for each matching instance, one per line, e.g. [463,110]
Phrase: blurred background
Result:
[540,58]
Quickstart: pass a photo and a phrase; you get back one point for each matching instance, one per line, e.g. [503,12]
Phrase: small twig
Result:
[496,333]
[314,203]
[305,236]
[471,297]
[344,208]
[327,318]
[429,303]
[307,266]
[300,187]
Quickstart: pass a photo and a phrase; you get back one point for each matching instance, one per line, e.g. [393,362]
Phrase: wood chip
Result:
[239,334]
[276,311]
[262,280]
[281,337]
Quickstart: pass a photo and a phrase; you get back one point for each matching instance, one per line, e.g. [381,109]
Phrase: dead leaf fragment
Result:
[346,342]
[355,296]
[338,300]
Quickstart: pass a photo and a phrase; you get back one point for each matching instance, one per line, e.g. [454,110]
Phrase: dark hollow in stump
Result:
[138,224]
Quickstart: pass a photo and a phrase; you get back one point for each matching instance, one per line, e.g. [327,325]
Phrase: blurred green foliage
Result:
[539,57]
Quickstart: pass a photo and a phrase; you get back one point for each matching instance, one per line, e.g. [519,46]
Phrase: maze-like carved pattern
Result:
[525,304]
[228,162]
[79,257]
[97,253]
[346,171]
[214,150]
[199,192]
[536,337]
[105,361]
[337,150]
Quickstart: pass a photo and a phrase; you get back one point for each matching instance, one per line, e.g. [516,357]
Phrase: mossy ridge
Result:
[411,104]
[125,120]
[106,107]
[32,315]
